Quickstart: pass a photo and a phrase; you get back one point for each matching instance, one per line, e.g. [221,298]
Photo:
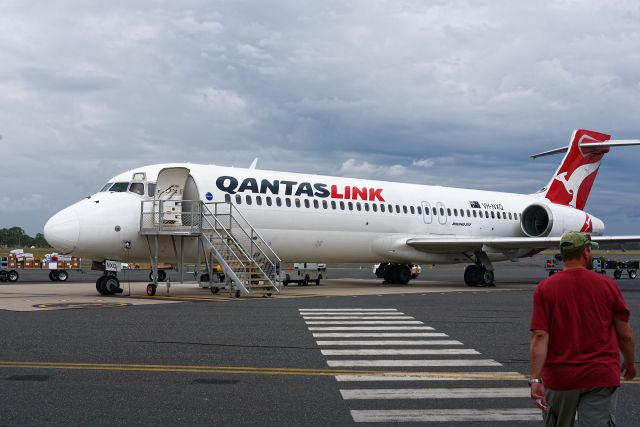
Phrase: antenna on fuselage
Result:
[254,163]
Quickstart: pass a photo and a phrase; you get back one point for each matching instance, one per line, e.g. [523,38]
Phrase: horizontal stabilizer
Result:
[605,144]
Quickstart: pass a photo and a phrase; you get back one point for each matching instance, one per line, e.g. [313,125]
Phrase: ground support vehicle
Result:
[303,273]
[11,266]
[601,265]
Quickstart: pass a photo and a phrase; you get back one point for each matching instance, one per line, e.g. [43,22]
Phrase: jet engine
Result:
[542,220]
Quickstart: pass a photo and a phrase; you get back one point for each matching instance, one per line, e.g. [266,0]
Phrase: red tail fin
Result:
[574,178]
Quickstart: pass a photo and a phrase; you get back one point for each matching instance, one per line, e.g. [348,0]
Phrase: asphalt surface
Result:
[256,362]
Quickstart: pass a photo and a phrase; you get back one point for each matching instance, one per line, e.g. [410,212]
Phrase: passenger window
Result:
[442,211]
[268,199]
[358,206]
[510,216]
[492,216]
[325,205]
[374,207]
[333,205]
[382,209]
[455,212]
[462,213]
[238,199]
[316,204]
[366,207]
[412,209]
[435,212]
[419,210]
[390,208]
[297,203]
[341,205]
[474,214]
[448,212]
[468,213]
[248,198]
[306,203]
[151,189]
[350,204]
[404,209]
[278,201]
[288,202]
[259,200]
[227,198]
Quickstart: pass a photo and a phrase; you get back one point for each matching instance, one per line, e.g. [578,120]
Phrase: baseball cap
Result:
[576,240]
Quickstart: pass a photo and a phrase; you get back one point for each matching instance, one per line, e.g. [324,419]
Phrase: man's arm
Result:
[537,355]
[627,347]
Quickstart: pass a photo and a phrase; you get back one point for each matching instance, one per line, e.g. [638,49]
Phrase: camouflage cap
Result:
[576,240]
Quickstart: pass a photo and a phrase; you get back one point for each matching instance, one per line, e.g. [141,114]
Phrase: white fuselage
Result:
[330,219]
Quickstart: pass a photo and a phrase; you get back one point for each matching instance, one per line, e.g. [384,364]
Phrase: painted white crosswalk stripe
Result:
[362,363]
[347,309]
[435,376]
[390,342]
[446,415]
[435,393]
[358,318]
[364,338]
[398,352]
[364,322]
[376,335]
[370,328]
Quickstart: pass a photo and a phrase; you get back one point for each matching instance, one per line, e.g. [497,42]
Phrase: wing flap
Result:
[461,244]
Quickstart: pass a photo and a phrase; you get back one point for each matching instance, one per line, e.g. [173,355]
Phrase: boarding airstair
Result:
[223,236]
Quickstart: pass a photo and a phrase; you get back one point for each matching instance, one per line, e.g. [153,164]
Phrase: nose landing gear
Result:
[108,284]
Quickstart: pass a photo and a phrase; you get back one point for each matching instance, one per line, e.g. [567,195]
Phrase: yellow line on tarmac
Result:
[484,376]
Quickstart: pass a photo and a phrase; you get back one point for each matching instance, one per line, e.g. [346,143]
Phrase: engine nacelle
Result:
[542,220]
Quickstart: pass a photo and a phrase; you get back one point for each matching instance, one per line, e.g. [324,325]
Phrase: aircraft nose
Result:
[63,230]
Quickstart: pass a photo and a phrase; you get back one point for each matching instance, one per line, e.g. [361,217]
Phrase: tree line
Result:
[16,237]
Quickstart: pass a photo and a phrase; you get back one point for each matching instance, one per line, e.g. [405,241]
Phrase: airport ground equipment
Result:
[225,238]
[600,265]
[11,266]
[303,273]
[394,273]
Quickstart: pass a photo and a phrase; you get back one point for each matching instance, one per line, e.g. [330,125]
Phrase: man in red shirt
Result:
[580,325]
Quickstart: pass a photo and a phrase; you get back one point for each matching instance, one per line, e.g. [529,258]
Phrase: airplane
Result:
[305,217]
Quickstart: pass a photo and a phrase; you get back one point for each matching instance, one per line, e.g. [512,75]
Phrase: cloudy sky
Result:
[455,93]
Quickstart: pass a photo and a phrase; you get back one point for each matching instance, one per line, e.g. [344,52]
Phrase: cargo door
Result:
[170,188]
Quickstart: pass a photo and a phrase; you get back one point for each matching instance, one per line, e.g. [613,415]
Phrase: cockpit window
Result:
[137,188]
[106,187]
[119,187]
[151,189]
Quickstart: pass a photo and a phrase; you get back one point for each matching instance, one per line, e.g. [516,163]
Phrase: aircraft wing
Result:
[461,244]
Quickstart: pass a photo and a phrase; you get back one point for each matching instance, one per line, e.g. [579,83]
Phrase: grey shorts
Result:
[595,407]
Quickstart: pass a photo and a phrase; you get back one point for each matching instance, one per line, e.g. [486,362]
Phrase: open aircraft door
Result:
[170,188]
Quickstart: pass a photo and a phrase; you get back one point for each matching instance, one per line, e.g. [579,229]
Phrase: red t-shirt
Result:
[576,307]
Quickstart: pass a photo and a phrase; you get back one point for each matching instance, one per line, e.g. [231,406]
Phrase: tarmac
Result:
[349,352]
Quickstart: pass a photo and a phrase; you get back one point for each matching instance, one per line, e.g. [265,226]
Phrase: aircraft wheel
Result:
[13,276]
[487,277]
[402,274]
[100,285]
[305,282]
[617,274]
[4,276]
[111,285]
[469,275]
[632,274]
[215,289]
[151,289]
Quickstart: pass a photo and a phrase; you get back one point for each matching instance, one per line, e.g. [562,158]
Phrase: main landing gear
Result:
[399,274]
[108,284]
[480,273]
